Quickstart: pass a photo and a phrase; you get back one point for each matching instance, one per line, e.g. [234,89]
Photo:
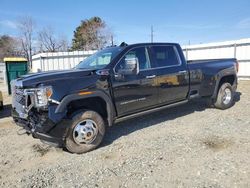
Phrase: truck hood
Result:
[32,80]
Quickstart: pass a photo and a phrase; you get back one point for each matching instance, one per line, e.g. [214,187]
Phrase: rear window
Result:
[163,56]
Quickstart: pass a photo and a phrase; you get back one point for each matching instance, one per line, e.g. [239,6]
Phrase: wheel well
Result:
[229,79]
[96,104]
[226,79]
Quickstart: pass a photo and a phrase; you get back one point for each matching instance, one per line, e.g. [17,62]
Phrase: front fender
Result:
[62,107]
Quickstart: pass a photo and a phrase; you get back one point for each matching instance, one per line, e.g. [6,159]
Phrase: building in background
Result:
[239,49]
[3,77]
[58,60]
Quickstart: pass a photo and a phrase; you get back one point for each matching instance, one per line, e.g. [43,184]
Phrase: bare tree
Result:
[9,46]
[26,27]
[104,37]
[50,42]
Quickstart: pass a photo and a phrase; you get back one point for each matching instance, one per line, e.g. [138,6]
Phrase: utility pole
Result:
[112,40]
[152,34]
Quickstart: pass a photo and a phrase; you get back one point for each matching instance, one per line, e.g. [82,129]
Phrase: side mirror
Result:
[131,67]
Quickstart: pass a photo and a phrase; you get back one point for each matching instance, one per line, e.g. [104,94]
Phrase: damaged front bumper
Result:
[40,121]
[45,130]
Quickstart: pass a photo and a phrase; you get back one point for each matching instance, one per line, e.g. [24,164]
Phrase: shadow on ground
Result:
[237,96]
[132,125]
[6,112]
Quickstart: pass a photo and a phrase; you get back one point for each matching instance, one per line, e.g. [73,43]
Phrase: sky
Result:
[181,21]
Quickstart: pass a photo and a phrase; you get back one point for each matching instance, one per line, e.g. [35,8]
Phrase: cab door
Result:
[172,76]
[137,92]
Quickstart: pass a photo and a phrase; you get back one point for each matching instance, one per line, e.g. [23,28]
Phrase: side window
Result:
[140,53]
[163,56]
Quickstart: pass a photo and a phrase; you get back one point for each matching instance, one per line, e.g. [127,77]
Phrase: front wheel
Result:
[85,133]
[225,97]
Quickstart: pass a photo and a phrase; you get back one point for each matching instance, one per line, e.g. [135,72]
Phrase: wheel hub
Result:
[85,132]
[227,96]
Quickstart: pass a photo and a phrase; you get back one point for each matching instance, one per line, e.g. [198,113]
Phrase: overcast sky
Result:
[197,21]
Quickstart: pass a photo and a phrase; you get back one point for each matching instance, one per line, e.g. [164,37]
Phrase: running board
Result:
[150,111]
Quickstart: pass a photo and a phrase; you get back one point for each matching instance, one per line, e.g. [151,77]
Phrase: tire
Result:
[91,127]
[225,97]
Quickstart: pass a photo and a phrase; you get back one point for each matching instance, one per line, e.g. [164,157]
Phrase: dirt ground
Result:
[186,146]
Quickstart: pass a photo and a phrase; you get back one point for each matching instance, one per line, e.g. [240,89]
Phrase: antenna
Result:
[152,34]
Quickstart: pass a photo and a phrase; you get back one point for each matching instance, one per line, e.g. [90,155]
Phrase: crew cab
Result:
[73,108]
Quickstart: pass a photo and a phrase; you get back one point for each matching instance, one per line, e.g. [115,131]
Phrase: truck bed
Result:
[204,73]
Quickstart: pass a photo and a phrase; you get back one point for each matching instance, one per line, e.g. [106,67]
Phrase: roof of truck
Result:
[148,43]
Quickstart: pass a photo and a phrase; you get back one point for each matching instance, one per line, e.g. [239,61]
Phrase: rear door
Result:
[172,75]
[133,93]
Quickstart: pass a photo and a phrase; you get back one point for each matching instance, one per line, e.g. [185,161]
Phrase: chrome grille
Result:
[18,100]
[19,96]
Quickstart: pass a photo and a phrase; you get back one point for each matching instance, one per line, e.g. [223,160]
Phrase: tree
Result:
[50,42]
[91,34]
[26,27]
[9,46]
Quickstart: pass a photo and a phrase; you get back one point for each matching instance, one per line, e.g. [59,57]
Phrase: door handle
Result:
[151,76]
[182,72]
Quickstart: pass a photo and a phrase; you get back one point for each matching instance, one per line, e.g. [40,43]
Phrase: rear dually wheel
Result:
[225,97]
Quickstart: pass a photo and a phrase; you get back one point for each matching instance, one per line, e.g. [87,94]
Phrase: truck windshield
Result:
[100,59]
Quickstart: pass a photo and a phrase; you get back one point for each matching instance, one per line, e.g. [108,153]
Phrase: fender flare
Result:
[219,77]
[62,107]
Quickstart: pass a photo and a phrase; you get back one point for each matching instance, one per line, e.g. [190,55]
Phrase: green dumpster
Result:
[15,67]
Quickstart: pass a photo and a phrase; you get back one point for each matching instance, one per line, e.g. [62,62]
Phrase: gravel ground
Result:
[186,146]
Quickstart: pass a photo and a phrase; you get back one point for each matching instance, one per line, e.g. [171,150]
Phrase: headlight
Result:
[43,95]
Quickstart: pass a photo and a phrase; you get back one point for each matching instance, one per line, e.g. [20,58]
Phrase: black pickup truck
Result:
[72,108]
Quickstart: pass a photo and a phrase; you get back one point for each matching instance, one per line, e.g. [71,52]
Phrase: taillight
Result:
[237,66]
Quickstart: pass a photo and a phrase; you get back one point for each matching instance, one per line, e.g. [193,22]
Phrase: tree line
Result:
[91,34]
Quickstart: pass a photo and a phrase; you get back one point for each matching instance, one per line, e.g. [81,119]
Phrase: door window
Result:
[163,56]
[140,54]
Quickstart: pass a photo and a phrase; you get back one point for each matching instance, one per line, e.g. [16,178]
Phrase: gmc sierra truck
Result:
[72,108]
